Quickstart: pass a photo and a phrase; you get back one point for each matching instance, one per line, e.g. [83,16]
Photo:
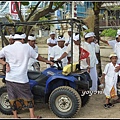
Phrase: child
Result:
[109,78]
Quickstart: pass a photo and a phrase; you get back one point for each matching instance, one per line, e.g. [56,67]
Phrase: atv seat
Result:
[39,77]
[33,74]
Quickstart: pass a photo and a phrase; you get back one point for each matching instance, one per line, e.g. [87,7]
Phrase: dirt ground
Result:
[93,109]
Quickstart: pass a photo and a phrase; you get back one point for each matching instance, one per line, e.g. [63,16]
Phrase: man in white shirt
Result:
[17,82]
[84,63]
[117,51]
[11,40]
[87,45]
[67,42]
[111,42]
[58,50]
[33,64]
[52,41]
[117,47]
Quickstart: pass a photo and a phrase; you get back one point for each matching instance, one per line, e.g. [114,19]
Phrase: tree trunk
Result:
[96,9]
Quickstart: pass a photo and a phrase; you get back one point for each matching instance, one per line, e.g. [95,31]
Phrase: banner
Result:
[83,53]
[12,9]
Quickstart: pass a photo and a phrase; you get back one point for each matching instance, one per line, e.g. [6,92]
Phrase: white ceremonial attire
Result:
[110,78]
[96,46]
[69,42]
[112,43]
[56,53]
[49,40]
[75,52]
[117,51]
[31,60]
[17,56]
[93,61]
[83,63]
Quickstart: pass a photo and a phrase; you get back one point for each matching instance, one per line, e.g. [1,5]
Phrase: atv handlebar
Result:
[58,63]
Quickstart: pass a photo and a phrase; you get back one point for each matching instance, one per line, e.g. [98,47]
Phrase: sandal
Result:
[110,104]
[106,106]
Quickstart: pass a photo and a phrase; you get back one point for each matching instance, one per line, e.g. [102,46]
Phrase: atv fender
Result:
[71,80]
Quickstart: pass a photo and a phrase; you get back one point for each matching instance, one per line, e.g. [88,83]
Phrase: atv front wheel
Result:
[4,102]
[65,102]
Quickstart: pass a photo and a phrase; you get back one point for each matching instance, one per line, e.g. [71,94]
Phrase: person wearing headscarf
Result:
[87,45]
[111,42]
[109,80]
[58,50]
[33,64]
[52,41]
[17,82]
[84,63]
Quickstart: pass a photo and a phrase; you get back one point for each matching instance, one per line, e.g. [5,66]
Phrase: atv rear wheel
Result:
[65,102]
[4,102]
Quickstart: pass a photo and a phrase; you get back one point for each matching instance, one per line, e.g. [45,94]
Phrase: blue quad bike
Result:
[63,93]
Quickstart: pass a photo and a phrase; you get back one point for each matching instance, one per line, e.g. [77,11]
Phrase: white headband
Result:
[22,36]
[90,34]
[31,38]
[69,29]
[76,37]
[11,37]
[116,36]
[52,33]
[61,39]
[118,32]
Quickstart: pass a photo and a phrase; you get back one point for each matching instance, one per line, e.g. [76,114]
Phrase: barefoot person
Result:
[109,78]
[17,82]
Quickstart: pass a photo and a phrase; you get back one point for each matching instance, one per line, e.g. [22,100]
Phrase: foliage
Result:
[109,32]
[25,3]
[57,4]
[34,14]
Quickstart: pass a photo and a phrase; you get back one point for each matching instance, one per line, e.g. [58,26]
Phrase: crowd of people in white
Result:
[59,48]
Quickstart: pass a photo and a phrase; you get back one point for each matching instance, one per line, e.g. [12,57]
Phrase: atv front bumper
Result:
[82,84]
